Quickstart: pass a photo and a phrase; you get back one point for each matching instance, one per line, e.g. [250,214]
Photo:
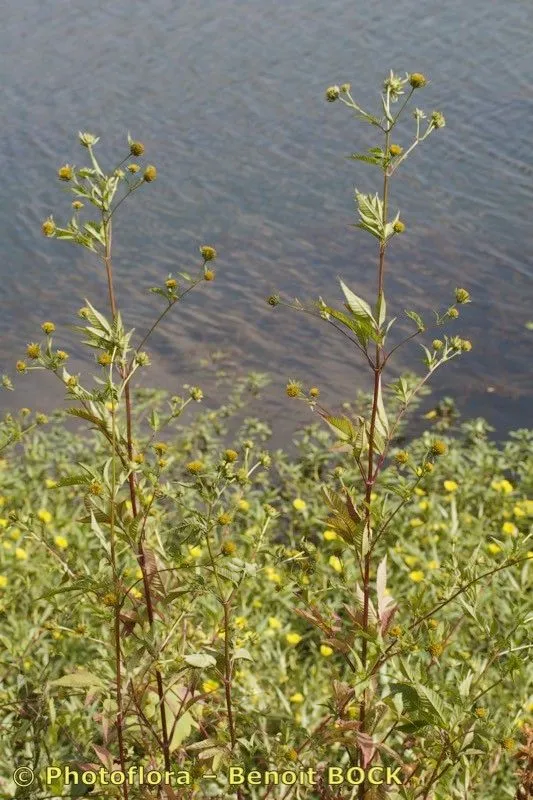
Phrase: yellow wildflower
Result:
[50,483]
[330,536]
[61,542]
[7,545]
[411,560]
[195,551]
[4,522]
[451,486]
[293,638]
[299,504]
[243,505]
[274,623]
[241,622]
[423,505]
[493,548]
[210,685]
[335,563]
[325,650]
[518,511]
[416,576]
[272,575]
[416,522]
[419,491]
[21,554]
[297,698]
[3,581]
[44,516]
[257,603]
[432,564]
[509,528]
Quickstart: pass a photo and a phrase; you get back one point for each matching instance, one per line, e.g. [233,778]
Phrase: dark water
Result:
[228,98]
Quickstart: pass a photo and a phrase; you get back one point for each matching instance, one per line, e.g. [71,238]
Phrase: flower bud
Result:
[136,148]
[466,345]
[77,204]
[209,275]
[395,150]
[345,88]
[417,80]
[462,296]
[65,173]
[293,389]
[228,548]
[171,283]
[452,313]
[142,359]
[48,227]
[231,455]
[314,392]
[398,226]
[332,94]
[438,344]
[273,300]
[150,173]
[33,350]
[402,457]
[87,139]
[208,253]
[133,168]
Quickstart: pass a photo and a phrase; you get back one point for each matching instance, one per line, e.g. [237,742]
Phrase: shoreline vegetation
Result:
[177,595]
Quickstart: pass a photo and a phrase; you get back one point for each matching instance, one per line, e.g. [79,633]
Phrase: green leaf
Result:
[342,426]
[416,318]
[357,305]
[182,730]
[381,309]
[382,422]
[200,660]
[79,680]
[242,652]
[371,214]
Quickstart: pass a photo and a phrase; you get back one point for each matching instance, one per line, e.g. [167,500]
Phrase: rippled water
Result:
[228,97]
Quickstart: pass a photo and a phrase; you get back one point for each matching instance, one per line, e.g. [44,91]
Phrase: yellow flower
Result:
[21,554]
[135,593]
[241,622]
[503,486]
[493,548]
[329,536]
[411,560]
[297,698]
[210,685]
[4,523]
[417,576]
[3,581]
[61,542]
[2,499]
[419,491]
[293,638]
[432,564]
[274,623]
[257,603]
[50,483]
[272,575]
[299,504]
[44,516]
[416,522]
[509,528]
[518,511]
[7,545]
[195,551]
[335,563]
[14,533]
[451,486]
[423,505]
[325,650]
[243,505]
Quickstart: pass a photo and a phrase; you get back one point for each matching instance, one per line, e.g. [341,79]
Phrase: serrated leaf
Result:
[416,318]
[357,305]
[79,680]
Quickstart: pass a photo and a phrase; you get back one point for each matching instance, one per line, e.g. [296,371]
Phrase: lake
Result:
[228,98]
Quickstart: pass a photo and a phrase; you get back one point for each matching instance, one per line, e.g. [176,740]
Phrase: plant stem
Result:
[370,474]
[107,227]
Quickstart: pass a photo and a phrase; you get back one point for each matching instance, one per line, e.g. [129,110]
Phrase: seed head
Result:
[417,80]
[84,312]
[33,350]
[437,119]
[61,355]
[48,227]
[428,467]
[96,488]
[508,744]
[345,88]
[104,359]
[224,518]
[133,168]
[229,548]
[398,226]
[196,393]
[462,296]
[150,173]
[72,381]
[171,283]
[402,457]
[160,448]
[332,94]
[273,300]
[136,148]
[481,712]
[294,389]
[466,345]
[438,344]
[77,204]
[231,455]
[209,275]
[436,649]
[266,460]
[21,366]
[41,419]
[395,150]
[208,253]
[438,448]
[195,467]
[65,173]
[452,313]
[314,392]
